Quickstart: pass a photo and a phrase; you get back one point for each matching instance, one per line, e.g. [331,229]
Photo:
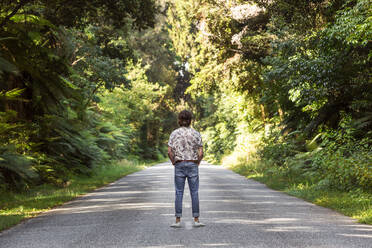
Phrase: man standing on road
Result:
[185,150]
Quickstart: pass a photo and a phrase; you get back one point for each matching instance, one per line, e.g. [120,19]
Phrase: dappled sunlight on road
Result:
[248,222]
[356,235]
[137,210]
[292,229]
[164,246]
[145,206]
[218,244]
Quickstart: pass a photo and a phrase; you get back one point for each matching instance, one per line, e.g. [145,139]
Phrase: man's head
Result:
[184,118]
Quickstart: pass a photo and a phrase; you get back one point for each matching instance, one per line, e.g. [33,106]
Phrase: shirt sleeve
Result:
[199,140]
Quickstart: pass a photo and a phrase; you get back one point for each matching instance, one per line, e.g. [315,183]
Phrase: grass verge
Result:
[356,204]
[15,207]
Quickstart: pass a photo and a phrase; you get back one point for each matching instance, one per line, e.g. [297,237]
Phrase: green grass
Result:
[356,204]
[15,207]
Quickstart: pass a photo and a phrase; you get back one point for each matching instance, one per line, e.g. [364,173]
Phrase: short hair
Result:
[184,118]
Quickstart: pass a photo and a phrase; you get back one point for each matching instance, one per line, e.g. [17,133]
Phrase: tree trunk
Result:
[263,113]
[280,111]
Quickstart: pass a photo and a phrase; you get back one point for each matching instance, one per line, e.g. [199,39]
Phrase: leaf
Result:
[68,83]
[6,66]
[31,19]
[13,94]
[36,37]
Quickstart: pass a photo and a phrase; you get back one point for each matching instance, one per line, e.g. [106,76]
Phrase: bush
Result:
[347,167]
[277,150]
[333,160]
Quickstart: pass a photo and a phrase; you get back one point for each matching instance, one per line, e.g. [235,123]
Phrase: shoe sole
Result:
[176,226]
[199,225]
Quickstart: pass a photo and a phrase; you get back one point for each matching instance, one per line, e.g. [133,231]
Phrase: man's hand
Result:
[200,155]
[171,155]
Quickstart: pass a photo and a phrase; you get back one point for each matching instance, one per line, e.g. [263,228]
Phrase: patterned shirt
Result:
[185,142]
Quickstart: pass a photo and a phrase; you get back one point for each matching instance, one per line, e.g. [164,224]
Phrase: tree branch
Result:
[18,7]
[76,61]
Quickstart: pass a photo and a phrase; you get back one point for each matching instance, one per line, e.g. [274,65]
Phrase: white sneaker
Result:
[176,225]
[198,224]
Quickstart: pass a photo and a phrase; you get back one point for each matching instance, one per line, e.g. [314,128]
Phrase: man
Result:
[185,150]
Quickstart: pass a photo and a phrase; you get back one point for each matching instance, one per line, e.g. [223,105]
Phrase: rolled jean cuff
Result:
[195,215]
[178,215]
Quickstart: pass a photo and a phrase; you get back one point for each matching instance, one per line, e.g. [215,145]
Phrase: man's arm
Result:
[200,154]
[171,155]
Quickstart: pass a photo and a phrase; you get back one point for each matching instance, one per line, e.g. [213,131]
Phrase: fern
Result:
[15,169]
[6,66]
[364,122]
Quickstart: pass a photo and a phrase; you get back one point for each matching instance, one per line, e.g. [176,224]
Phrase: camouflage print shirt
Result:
[185,142]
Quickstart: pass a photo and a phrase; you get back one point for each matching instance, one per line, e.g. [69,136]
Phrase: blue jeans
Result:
[189,170]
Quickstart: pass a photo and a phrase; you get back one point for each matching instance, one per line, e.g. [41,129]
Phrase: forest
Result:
[281,90]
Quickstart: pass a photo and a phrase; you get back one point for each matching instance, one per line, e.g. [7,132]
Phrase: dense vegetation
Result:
[279,88]
[282,88]
[80,88]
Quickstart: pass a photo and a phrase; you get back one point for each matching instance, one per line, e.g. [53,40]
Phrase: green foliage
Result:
[15,169]
[323,72]
[79,13]
[138,110]
[277,153]
[343,163]
[55,63]
[283,83]
[336,162]
[6,66]
[281,88]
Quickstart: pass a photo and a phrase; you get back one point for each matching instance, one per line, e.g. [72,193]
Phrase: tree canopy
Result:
[88,82]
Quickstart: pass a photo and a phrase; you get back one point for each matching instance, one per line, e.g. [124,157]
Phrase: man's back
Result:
[185,142]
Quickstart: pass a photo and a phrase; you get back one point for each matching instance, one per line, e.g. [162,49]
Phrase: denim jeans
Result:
[189,170]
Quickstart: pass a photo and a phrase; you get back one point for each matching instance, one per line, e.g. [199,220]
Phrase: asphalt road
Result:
[136,211]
